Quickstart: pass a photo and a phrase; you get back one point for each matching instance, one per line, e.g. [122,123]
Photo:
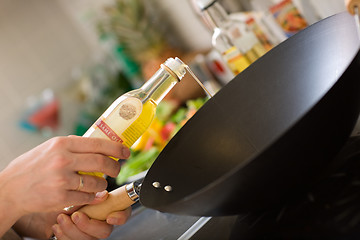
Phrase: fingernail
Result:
[75,217]
[100,194]
[126,152]
[112,221]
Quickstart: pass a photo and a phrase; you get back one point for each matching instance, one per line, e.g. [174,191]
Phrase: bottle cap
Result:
[177,66]
[204,4]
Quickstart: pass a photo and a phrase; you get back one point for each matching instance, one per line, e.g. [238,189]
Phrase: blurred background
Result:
[63,62]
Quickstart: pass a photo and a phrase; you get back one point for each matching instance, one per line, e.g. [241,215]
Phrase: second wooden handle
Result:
[117,200]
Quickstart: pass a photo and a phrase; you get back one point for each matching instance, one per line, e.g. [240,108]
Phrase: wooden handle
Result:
[351,4]
[117,200]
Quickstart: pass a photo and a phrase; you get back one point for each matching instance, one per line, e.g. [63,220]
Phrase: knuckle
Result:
[123,217]
[121,221]
[96,143]
[96,183]
[61,181]
[89,197]
[101,184]
[57,181]
[85,198]
[85,226]
[60,160]
[57,142]
[108,165]
[101,160]
[117,151]
[114,166]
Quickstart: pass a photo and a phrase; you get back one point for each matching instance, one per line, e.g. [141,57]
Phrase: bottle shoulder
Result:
[137,93]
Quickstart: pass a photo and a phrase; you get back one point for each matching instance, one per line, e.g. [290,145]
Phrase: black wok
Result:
[270,132]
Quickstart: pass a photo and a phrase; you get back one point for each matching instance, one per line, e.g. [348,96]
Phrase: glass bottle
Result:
[238,45]
[130,115]
[260,34]
[217,19]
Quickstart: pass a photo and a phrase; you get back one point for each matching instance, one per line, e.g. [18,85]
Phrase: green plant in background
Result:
[142,34]
[136,26]
[98,87]
[138,162]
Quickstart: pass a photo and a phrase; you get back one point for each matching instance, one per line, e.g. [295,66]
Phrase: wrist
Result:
[9,206]
[9,211]
[8,216]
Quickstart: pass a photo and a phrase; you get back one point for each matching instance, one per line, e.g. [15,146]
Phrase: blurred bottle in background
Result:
[217,19]
[283,17]
[260,34]
[238,45]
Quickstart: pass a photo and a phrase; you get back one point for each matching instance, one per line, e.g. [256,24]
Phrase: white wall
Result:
[180,15]
[39,46]
[193,33]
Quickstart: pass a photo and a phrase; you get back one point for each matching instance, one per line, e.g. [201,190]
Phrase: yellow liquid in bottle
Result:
[135,130]
[140,125]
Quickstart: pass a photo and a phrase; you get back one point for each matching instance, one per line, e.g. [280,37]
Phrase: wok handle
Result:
[118,200]
[351,5]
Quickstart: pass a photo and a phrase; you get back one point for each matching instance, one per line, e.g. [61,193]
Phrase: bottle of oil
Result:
[130,115]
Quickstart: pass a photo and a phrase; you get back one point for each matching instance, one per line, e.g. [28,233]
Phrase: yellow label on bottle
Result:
[235,60]
[115,120]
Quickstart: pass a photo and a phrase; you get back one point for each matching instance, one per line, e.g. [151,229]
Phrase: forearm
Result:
[8,216]
[6,222]
[9,213]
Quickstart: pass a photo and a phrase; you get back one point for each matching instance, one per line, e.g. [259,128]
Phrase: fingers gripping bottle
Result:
[130,115]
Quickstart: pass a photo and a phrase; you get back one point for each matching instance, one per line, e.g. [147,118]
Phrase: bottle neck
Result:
[215,15]
[159,85]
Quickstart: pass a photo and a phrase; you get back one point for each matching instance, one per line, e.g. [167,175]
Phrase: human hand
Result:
[79,226]
[46,178]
